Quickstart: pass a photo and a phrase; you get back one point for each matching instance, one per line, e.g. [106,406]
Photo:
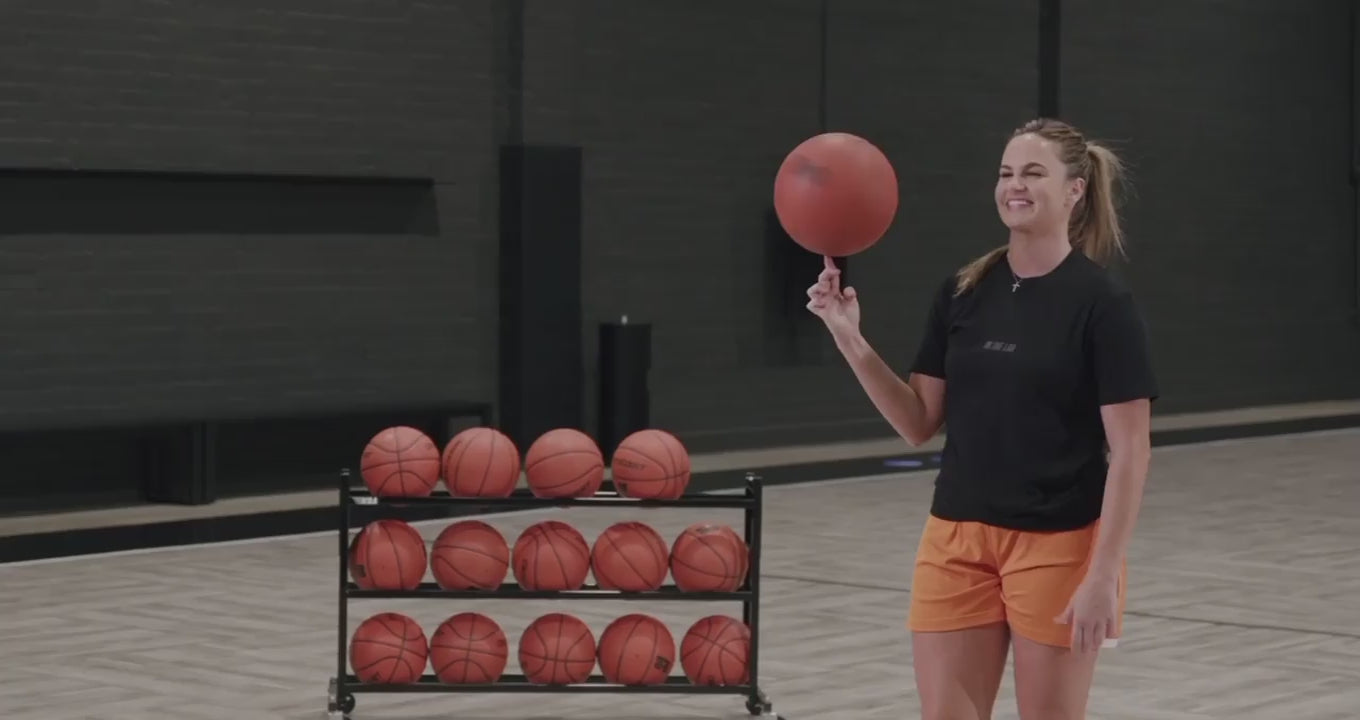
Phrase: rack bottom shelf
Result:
[342,703]
[520,684]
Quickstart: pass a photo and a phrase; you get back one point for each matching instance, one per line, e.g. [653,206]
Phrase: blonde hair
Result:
[1094,226]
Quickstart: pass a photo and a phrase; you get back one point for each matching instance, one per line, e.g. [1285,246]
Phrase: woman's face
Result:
[1033,192]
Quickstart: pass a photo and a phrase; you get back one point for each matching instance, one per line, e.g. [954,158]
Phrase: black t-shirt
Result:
[1026,371]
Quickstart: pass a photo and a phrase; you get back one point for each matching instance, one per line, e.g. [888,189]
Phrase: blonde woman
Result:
[1036,359]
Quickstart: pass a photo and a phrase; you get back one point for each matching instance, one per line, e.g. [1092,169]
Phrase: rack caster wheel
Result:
[758,708]
[342,705]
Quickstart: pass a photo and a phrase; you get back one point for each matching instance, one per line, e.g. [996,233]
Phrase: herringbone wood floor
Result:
[1245,576]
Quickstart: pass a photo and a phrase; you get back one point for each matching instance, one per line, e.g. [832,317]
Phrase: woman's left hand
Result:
[1091,612]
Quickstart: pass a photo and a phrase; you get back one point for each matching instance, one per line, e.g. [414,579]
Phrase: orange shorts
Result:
[970,574]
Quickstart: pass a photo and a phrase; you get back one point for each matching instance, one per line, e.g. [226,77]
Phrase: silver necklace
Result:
[1015,285]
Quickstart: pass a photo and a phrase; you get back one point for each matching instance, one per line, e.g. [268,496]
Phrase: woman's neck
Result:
[1034,255]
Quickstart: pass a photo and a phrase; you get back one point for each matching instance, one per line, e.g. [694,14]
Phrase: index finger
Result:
[826,261]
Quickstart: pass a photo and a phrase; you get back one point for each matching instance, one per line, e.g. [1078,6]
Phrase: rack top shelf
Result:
[512,591]
[523,498]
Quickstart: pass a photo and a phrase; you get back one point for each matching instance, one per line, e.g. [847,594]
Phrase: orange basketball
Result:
[629,556]
[469,555]
[651,464]
[469,648]
[400,462]
[388,648]
[564,463]
[709,558]
[636,649]
[387,555]
[716,651]
[557,649]
[481,462]
[743,552]
[551,555]
[835,194]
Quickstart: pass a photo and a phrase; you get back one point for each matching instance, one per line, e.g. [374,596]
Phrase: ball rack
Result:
[355,501]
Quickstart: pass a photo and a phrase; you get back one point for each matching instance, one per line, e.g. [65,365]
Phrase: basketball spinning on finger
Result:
[836,194]
[651,464]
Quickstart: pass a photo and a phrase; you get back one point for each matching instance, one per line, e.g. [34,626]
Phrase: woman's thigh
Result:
[958,621]
[958,672]
[1052,682]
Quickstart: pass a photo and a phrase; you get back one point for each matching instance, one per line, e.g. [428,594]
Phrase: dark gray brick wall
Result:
[1242,251]
[383,87]
[1235,118]
[108,327]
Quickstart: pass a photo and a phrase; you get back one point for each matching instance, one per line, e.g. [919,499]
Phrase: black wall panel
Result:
[139,327]
[541,375]
[682,138]
[1235,118]
[897,77]
[1355,150]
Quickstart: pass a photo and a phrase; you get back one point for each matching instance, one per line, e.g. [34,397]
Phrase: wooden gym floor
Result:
[1245,575]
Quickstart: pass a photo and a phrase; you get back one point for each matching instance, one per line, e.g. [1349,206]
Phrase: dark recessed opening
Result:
[80,202]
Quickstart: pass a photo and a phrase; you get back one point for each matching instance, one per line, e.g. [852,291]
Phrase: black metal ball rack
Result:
[355,501]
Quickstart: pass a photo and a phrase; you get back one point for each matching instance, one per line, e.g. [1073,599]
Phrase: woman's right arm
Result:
[914,408]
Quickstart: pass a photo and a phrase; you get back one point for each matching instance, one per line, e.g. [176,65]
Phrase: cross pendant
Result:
[1015,286]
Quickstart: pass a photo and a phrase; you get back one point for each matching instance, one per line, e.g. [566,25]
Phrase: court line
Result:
[253,541]
[530,511]
[437,522]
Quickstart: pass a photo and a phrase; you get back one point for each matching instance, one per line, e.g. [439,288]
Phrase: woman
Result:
[1048,403]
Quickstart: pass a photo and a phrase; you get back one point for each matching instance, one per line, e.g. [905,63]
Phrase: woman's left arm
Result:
[1126,387]
[1125,391]
[1128,432]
